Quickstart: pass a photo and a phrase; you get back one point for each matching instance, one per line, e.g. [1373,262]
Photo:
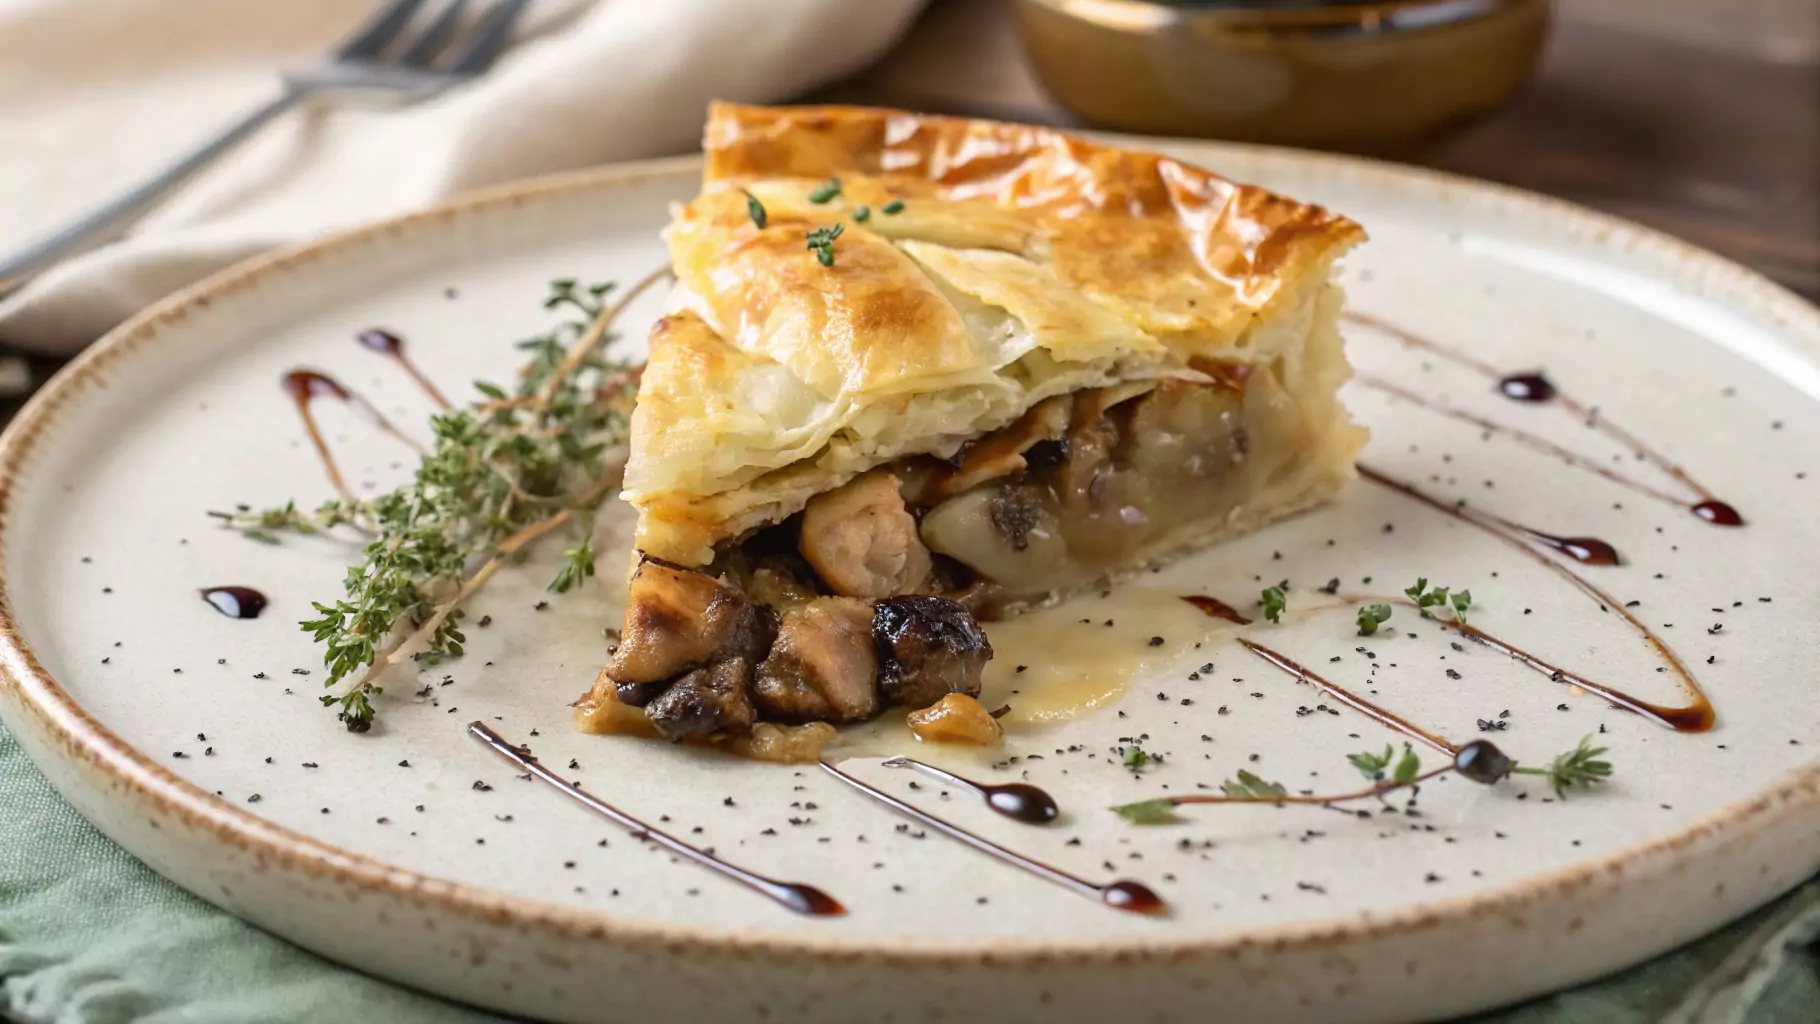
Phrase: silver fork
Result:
[378,57]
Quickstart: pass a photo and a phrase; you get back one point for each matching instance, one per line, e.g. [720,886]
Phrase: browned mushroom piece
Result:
[928,647]
[676,619]
[688,651]
[710,699]
[823,666]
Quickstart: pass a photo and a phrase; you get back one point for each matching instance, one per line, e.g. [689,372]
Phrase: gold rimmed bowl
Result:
[1369,76]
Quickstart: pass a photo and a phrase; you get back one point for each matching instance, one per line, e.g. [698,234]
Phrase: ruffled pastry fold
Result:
[1016,264]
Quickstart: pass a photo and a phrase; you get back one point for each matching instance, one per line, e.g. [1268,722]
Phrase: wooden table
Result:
[1703,140]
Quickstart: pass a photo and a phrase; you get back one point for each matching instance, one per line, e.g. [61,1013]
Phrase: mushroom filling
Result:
[869,597]
[1125,482]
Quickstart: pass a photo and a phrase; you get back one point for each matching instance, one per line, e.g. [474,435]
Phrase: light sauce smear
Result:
[1073,661]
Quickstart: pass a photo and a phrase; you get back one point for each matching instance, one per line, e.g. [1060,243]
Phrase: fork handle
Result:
[21,266]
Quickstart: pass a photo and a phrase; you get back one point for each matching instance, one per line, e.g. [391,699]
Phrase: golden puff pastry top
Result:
[1022,263]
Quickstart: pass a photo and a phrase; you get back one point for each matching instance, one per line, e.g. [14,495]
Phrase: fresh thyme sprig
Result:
[1375,766]
[1371,616]
[1481,761]
[821,243]
[261,524]
[577,561]
[1438,597]
[825,192]
[1581,766]
[755,210]
[502,473]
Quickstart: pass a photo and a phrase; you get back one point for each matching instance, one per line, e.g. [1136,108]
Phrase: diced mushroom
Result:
[823,667]
[688,651]
[1006,532]
[675,619]
[1016,513]
[707,700]
[862,540]
[928,647]
[956,718]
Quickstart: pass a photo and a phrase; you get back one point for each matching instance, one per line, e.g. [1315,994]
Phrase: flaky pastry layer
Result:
[1022,263]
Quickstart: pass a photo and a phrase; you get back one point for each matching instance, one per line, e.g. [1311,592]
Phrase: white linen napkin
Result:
[97,94]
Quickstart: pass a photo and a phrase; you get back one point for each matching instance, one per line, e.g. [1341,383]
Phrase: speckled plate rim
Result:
[28,688]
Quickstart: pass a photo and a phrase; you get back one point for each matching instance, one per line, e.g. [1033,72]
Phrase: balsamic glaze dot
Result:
[1482,762]
[1134,897]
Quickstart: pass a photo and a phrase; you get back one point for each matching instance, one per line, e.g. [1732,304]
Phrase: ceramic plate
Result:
[197,742]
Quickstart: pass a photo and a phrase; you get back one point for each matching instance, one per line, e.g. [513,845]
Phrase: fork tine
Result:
[428,45]
[378,33]
[489,37]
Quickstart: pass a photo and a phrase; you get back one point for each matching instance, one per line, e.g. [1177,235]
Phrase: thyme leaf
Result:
[1274,600]
[1251,786]
[1582,766]
[1371,616]
[578,561]
[1159,811]
[1407,767]
[263,524]
[1371,765]
[1426,598]
[821,243]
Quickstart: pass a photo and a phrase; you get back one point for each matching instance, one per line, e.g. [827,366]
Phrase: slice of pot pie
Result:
[923,371]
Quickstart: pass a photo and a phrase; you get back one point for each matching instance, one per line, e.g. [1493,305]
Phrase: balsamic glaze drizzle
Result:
[1121,894]
[1697,716]
[1019,801]
[1350,699]
[1534,388]
[1527,387]
[1523,437]
[804,899]
[1718,513]
[1214,608]
[304,387]
[390,345]
[235,602]
[1585,550]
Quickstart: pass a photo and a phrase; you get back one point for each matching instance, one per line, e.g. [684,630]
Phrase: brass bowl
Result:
[1370,76]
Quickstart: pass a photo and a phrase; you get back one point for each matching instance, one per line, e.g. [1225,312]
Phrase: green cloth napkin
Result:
[88,935]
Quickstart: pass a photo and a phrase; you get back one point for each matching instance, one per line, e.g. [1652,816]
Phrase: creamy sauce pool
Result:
[1074,663]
